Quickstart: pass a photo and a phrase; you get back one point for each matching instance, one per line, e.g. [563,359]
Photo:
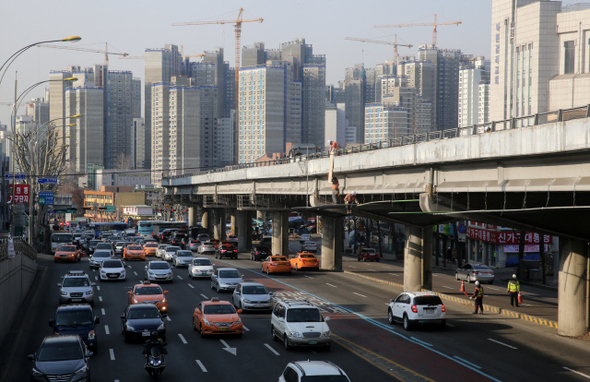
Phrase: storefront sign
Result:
[505,237]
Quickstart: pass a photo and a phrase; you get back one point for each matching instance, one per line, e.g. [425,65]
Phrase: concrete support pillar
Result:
[260,215]
[280,233]
[248,231]
[240,219]
[193,217]
[427,257]
[571,310]
[219,229]
[205,220]
[232,221]
[413,259]
[332,243]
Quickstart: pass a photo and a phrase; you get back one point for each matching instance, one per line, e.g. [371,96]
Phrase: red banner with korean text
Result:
[505,237]
[20,195]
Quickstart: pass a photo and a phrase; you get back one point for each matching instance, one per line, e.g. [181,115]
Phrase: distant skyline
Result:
[135,25]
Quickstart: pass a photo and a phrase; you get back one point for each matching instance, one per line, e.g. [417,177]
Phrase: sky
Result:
[131,26]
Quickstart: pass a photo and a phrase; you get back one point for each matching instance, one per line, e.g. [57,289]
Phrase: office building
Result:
[336,124]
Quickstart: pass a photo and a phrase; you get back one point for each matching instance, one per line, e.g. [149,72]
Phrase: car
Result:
[69,253]
[252,296]
[76,319]
[149,293]
[158,270]
[226,249]
[180,239]
[165,235]
[76,286]
[232,239]
[92,245]
[412,308]
[161,250]
[299,323]
[368,254]
[105,246]
[304,260]
[217,317]
[215,243]
[150,248]
[276,264]
[200,267]
[60,356]
[309,246]
[259,253]
[140,320]
[202,237]
[313,370]
[112,269]
[170,251]
[134,251]
[194,245]
[475,272]
[206,247]
[225,279]
[266,241]
[98,257]
[304,237]
[120,246]
[182,258]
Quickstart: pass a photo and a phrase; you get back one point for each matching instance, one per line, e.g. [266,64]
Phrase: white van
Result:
[60,238]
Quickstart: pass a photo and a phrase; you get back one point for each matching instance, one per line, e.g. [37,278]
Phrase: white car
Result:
[225,279]
[299,371]
[158,270]
[182,258]
[98,257]
[299,323]
[170,252]
[207,247]
[200,267]
[112,269]
[161,250]
[309,246]
[232,239]
[304,237]
[412,308]
[252,296]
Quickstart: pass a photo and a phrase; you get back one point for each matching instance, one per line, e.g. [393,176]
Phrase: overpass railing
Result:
[20,247]
[561,115]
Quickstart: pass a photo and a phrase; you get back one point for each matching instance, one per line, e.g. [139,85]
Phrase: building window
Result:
[569,56]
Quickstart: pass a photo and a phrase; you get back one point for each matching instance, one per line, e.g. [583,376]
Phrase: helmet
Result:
[514,276]
[477,283]
[330,142]
[354,192]
[154,335]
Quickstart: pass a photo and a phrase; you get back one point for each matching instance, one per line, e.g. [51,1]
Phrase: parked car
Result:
[76,319]
[226,249]
[475,272]
[291,318]
[61,355]
[112,269]
[309,246]
[140,320]
[225,279]
[311,370]
[412,308]
[368,254]
[76,286]
[259,253]
[200,267]
[252,296]
[158,270]
[217,317]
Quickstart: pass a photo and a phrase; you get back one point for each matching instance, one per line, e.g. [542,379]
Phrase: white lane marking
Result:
[502,343]
[201,366]
[309,277]
[112,353]
[448,287]
[106,329]
[182,338]
[434,275]
[489,287]
[577,372]
[245,328]
[179,277]
[98,287]
[358,294]
[352,266]
[271,349]
[333,286]
[466,362]
[103,312]
[129,266]
[420,341]
[526,304]
[371,269]
[205,297]
[168,318]
[452,326]
[394,274]
[191,286]
[228,348]
[135,273]
[100,298]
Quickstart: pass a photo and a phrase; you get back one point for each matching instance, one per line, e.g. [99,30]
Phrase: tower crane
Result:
[105,51]
[434,25]
[395,44]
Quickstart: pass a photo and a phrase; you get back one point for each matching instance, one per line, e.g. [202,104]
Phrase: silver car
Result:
[170,252]
[98,257]
[112,269]
[475,272]
[200,267]
[182,258]
[158,270]
[161,250]
[252,296]
[76,287]
[225,279]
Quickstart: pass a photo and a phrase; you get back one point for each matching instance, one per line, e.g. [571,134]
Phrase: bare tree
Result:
[123,162]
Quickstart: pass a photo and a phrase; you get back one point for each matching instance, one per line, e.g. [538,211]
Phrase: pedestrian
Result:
[349,199]
[335,190]
[478,295]
[513,290]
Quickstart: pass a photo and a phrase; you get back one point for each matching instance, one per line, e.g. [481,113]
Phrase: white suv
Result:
[313,370]
[411,308]
[299,323]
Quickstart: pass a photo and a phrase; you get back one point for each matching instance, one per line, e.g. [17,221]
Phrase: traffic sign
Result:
[47,180]
[45,197]
[15,176]
[462,228]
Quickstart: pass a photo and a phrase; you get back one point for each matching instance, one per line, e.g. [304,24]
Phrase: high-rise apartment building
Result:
[474,75]
[354,98]
[385,121]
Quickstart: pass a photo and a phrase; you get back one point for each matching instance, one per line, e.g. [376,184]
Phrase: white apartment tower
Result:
[472,75]
[385,121]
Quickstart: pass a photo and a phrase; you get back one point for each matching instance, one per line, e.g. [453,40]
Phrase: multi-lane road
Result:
[473,347]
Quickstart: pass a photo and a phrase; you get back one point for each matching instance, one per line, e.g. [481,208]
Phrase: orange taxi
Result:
[150,248]
[67,253]
[304,260]
[276,264]
[148,293]
[133,251]
[217,317]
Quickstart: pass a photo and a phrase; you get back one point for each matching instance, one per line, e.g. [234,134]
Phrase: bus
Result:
[145,228]
[60,238]
[115,227]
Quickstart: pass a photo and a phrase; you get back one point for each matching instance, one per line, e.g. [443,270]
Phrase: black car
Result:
[259,253]
[166,235]
[61,358]
[76,319]
[226,249]
[140,320]
[180,239]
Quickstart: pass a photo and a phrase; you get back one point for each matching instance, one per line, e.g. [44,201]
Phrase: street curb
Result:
[462,301]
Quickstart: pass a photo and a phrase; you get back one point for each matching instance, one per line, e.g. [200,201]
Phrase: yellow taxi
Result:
[216,317]
[67,253]
[304,260]
[148,293]
[133,252]
[276,264]
[150,248]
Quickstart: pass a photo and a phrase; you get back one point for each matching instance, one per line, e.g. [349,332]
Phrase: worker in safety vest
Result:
[513,290]
[335,190]
[333,146]
[349,199]
[478,295]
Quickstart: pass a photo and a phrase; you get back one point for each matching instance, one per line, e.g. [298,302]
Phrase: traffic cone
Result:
[519,298]
[462,289]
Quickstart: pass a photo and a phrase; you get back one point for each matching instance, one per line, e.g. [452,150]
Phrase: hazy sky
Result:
[131,26]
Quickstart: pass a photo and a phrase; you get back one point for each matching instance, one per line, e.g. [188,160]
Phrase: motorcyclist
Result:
[152,342]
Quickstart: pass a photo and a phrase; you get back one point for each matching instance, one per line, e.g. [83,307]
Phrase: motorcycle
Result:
[154,359]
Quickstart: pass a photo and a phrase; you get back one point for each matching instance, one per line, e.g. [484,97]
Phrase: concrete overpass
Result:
[535,178]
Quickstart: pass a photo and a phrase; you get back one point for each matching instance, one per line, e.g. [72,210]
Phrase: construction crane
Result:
[434,25]
[395,44]
[105,51]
